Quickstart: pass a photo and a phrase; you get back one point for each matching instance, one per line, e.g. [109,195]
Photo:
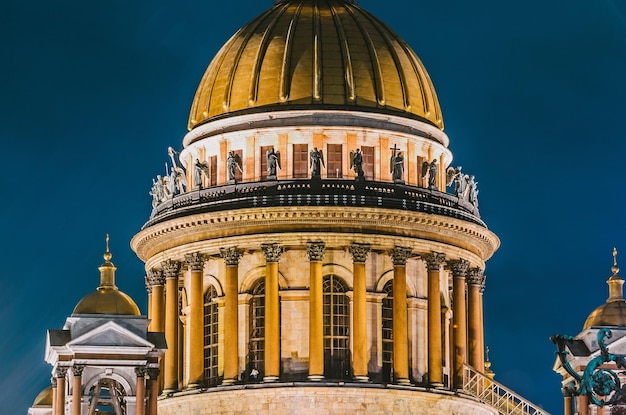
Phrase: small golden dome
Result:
[316,54]
[44,398]
[613,312]
[107,299]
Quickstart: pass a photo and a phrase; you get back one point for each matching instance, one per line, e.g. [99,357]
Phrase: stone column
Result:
[459,320]
[360,356]
[315,252]
[567,401]
[272,254]
[153,374]
[77,389]
[399,256]
[475,283]
[140,394]
[195,262]
[156,310]
[435,353]
[53,382]
[149,290]
[60,374]
[171,269]
[583,405]
[231,257]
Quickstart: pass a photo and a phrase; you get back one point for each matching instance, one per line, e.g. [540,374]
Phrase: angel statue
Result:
[316,160]
[430,170]
[157,192]
[178,180]
[456,177]
[199,168]
[233,163]
[396,165]
[472,191]
[273,163]
[356,163]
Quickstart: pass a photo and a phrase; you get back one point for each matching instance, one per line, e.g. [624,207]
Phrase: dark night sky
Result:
[92,93]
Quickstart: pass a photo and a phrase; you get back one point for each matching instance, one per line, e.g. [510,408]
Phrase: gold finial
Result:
[615,268]
[488,372]
[107,254]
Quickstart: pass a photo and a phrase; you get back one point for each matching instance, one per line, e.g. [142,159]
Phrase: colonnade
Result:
[467,329]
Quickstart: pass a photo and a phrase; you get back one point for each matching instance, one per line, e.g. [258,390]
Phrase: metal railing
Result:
[496,395]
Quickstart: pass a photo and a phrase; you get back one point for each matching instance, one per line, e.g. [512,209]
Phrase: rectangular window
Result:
[263,161]
[334,164]
[213,171]
[300,161]
[368,162]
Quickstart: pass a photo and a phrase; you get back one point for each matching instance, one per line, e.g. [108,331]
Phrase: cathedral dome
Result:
[325,54]
[613,312]
[44,398]
[107,299]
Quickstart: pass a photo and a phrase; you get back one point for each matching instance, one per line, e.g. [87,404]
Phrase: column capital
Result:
[475,276]
[155,276]
[171,269]
[459,267]
[272,252]
[60,372]
[146,281]
[434,260]
[359,252]
[141,371]
[153,372]
[53,382]
[315,251]
[77,370]
[195,261]
[232,255]
[399,255]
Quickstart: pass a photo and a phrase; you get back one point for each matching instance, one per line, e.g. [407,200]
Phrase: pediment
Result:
[109,335]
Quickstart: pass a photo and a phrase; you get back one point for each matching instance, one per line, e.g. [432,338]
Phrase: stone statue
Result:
[472,191]
[273,163]
[456,177]
[430,170]
[178,180]
[199,169]
[166,187]
[396,165]
[156,192]
[356,163]
[233,163]
[316,161]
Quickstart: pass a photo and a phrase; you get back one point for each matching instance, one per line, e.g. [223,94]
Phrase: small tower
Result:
[103,356]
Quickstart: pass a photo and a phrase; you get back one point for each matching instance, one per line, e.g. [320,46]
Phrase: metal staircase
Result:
[497,396]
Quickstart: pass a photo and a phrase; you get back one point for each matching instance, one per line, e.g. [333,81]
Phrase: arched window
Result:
[211,337]
[387,334]
[108,397]
[256,345]
[336,329]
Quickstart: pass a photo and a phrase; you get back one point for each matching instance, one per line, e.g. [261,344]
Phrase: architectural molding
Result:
[272,252]
[232,255]
[399,255]
[359,252]
[195,261]
[315,251]
[434,260]
[171,269]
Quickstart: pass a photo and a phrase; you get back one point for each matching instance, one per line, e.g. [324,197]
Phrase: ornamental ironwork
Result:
[600,384]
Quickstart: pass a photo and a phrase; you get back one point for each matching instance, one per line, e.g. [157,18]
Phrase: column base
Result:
[436,385]
[270,379]
[316,378]
[193,386]
[403,382]
[228,382]
[167,392]
[361,379]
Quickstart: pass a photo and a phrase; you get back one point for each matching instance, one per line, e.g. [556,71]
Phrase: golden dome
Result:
[44,398]
[613,312]
[326,54]
[107,299]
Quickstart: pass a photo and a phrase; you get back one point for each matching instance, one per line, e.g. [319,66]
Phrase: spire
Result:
[107,269]
[616,291]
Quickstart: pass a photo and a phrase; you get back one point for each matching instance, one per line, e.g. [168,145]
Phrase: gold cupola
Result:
[613,312]
[107,299]
[315,54]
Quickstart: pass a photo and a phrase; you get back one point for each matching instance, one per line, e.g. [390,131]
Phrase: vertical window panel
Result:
[368,162]
[300,161]
[211,338]
[334,162]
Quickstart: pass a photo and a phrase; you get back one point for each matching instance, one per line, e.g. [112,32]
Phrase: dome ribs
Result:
[317,53]
[261,50]
[376,68]
[345,53]
[285,72]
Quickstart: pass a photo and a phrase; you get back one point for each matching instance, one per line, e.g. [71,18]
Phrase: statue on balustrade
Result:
[396,165]
[430,170]
[455,176]
[200,168]
[316,161]
[178,177]
[273,163]
[356,163]
[233,163]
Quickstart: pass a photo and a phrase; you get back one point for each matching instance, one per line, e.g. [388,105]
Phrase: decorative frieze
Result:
[195,261]
[77,370]
[399,255]
[359,252]
[459,267]
[315,251]
[272,252]
[434,260]
[475,276]
[232,255]
[171,269]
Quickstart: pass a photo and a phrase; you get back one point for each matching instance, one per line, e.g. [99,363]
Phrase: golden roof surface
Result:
[44,398]
[317,54]
[613,312]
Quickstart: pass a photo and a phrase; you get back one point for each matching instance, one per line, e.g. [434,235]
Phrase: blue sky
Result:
[92,93]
